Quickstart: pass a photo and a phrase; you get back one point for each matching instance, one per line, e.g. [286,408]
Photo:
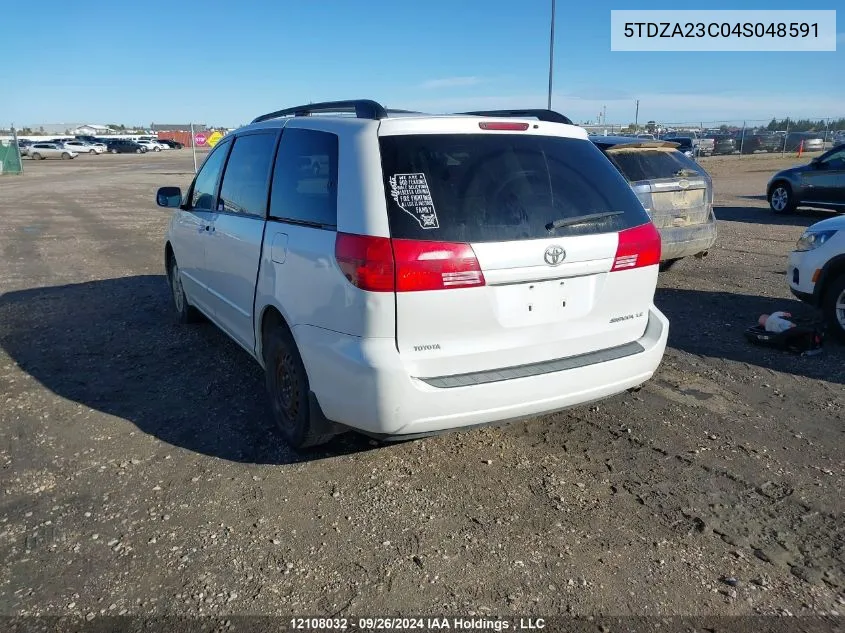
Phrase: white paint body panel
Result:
[358,347]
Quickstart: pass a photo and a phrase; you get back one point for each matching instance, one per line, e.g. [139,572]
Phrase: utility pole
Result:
[637,116]
[551,53]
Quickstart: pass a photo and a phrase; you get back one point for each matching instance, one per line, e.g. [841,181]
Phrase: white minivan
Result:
[403,274]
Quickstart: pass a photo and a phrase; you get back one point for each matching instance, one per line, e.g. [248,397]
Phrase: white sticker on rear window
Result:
[411,193]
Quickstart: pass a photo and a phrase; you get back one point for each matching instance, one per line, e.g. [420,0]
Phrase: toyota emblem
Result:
[554,255]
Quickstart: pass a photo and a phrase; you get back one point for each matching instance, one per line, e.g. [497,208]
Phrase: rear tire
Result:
[833,307]
[288,389]
[66,156]
[36,156]
[93,151]
[113,151]
[139,151]
[664,266]
[781,198]
[185,312]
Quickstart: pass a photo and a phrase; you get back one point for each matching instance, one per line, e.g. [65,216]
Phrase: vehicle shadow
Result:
[712,324]
[113,346]
[760,215]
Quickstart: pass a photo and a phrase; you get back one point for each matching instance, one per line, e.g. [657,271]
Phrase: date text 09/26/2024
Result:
[418,624]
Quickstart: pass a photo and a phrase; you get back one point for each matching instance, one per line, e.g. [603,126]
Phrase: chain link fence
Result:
[740,137]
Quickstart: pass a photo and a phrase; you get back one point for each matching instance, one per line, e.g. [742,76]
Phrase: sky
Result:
[223,63]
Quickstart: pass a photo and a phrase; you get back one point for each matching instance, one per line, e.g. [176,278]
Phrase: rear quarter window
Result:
[500,187]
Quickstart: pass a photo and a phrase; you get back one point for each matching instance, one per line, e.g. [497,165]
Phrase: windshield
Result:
[501,187]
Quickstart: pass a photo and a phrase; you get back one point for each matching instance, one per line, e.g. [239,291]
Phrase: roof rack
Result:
[363,109]
[541,115]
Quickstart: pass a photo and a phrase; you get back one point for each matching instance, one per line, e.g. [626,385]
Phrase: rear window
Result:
[500,187]
[652,163]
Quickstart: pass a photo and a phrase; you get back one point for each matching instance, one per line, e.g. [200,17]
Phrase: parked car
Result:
[812,142]
[816,272]
[82,147]
[171,143]
[722,143]
[675,191]
[124,146]
[150,146]
[40,151]
[23,147]
[752,142]
[684,145]
[838,139]
[478,269]
[820,183]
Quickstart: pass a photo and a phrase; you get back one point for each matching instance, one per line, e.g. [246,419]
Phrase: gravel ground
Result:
[141,474]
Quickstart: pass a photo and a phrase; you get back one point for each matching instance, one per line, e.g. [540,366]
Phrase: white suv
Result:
[403,274]
[816,272]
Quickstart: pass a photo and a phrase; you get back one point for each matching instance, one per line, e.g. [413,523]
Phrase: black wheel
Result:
[833,307]
[36,156]
[781,199]
[185,312]
[92,151]
[139,151]
[66,156]
[113,151]
[667,264]
[287,386]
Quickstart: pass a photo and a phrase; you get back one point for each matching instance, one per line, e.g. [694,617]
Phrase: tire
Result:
[36,156]
[664,266]
[288,390]
[158,149]
[139,151]
[113,151]
[66,156]
[93,151]
[781,198]
[185,312]
[833,307]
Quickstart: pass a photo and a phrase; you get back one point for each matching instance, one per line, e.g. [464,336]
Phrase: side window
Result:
[244,188]
[205,185]
[836,160]
[305,178]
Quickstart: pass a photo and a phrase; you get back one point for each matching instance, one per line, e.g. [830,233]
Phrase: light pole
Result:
[551,53]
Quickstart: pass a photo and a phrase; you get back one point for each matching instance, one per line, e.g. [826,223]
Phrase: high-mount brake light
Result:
[510,126]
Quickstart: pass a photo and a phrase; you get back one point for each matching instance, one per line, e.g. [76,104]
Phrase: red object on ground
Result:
[800,148]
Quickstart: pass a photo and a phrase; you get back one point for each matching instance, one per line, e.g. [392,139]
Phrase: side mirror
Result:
[169,197]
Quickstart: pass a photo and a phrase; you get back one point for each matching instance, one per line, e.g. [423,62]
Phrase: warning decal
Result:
[411,193]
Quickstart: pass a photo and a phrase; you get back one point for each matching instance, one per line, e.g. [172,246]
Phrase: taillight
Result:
[435,266]
[379,264]
[503,126]
[638,247]
[367,262]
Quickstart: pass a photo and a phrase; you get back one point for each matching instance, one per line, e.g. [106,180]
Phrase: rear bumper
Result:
[683,241]
[362,384]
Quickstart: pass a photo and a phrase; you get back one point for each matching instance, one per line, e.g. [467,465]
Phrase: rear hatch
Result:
[673,189]
[513,245]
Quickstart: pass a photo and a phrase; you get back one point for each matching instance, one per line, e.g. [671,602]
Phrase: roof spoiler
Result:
[541,115]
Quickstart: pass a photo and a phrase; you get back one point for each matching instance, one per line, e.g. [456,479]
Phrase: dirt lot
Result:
[141,474]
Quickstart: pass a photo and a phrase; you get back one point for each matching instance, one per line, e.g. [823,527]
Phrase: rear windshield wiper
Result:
[582,219]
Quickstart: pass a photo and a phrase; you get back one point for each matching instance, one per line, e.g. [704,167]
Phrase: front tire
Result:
[36,156]
[781,198]
[66,156]
[113,151]
[288,389]
[139,151]
[92,152]
[833,307]
[185,312]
